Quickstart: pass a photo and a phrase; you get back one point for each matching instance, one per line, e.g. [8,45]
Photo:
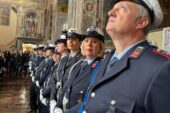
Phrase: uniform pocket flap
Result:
[123,103]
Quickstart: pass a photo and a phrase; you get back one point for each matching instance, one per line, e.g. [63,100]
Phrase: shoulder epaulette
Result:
[162,53]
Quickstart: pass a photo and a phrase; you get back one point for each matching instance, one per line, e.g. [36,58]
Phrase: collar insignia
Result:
[137,52]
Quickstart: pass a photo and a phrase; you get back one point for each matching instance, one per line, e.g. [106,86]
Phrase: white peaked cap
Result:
[72,30]
[41,45]
[153,8]
[51,45]
[158,15]
[75,30]
[62,36]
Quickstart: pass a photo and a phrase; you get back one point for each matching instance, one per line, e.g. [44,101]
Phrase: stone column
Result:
[20,27]
[79,16]
[54,20]
[40,27]
[59,18]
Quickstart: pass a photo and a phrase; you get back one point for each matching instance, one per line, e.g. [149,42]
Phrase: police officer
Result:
[92,49]
[46,89]
[36,59]
[134,78]
[65,64]
[40,79]
[49,64]
[61,46]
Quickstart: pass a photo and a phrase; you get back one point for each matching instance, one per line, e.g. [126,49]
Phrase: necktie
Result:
[84,65]
[69,60]
[111,63]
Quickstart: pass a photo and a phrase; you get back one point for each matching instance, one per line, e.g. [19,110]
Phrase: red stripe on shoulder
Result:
[162,54]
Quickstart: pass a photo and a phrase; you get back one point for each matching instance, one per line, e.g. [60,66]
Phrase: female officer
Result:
[73,43]
[92,49]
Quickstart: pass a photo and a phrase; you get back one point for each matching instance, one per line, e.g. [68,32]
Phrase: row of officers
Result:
[133,78]
[61,73]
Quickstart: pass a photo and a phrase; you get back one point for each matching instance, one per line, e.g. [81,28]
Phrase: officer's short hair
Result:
[142,12]
[102,49]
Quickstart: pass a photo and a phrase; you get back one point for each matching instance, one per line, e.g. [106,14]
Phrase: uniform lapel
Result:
[87,71]
[118,67]
[64,61]
[61,67]
[103,67]
[73,60]
[83,74]
[70,62]
[74,75]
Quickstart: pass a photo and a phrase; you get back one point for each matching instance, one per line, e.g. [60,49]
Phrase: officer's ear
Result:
[142,23]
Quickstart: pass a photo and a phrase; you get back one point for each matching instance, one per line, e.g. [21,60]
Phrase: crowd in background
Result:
[13,61]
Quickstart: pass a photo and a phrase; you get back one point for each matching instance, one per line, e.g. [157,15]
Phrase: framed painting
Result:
[4,14]
[62,6]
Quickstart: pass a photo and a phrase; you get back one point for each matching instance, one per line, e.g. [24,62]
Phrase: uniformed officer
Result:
[61,46]
[32,88]
[42,73]
[49,63]
[92,49]
[73,44]
[134,78]
[36,60]
[46,89]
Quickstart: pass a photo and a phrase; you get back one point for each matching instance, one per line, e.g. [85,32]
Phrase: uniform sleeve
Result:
[45,73]
[53,92]
[158,94]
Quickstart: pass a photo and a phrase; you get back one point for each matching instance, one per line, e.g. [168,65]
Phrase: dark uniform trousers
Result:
[137,83]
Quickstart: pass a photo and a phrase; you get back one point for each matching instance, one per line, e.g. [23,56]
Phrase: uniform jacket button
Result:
[81,92]
[92,94]
[84,112]
[113,102]
[69,90]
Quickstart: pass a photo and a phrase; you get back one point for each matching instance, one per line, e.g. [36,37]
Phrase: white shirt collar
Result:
[89,60]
